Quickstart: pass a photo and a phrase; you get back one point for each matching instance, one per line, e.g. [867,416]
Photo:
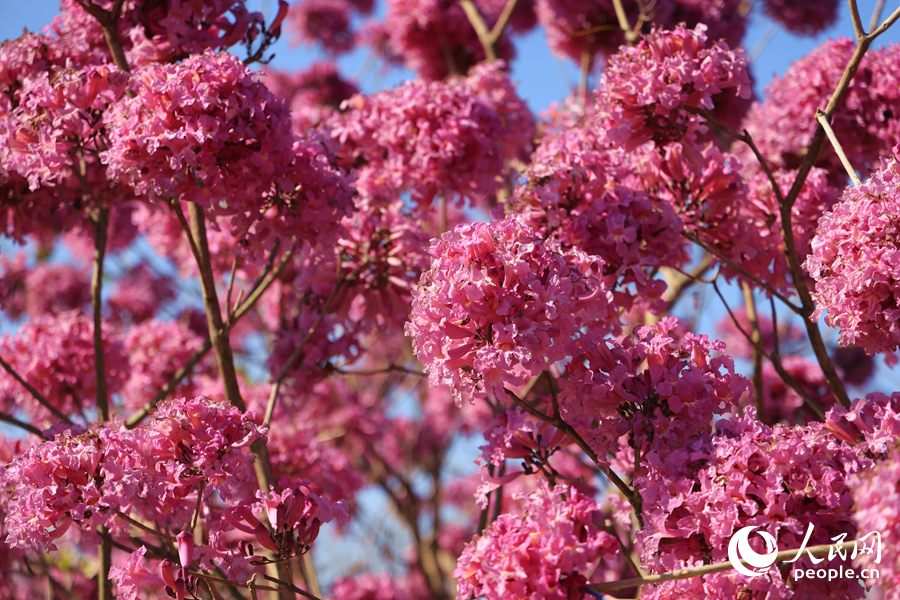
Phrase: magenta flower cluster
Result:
[541,555]
[853,262]
[499,305]
[436,139]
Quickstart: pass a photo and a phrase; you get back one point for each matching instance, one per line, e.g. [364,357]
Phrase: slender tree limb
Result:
[481,30]
[101,234]
[388,369]
[631,495]
[756,339]
[259,288]
[218,333]
[839,150]
[26,426]
[630,34]
[781,557]
[34,393]
[876,14]
[142,527]
[295,354]
[857,22]
[811,402]
[744,272]
[488,38]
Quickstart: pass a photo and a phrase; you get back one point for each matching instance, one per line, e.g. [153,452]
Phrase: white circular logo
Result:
[739,549]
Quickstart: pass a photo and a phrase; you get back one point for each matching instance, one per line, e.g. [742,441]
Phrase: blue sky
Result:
[542,78]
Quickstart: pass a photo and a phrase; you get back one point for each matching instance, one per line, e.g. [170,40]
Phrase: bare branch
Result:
[34,393]
[839,150]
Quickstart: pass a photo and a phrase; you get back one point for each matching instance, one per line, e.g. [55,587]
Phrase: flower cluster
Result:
[541,555]
[782,480]
[644,89]
[204,131]
[663,405]
[55,353]
[853,261]
[61,113]
[803,17]
[499,305]
[163,31]
[871,425]
[569,193]
[876,493]
[450,139]
[295,515]
[190,447]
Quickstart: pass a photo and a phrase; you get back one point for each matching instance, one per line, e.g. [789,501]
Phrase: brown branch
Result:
[631,495]
[776,362]
[26,426]
[295,354]
[258,289]
[857,22]
[34,393]
[488,38]
[756,340]
[876,14]
[781,557]
[101,234]
[838,149]
[759,282]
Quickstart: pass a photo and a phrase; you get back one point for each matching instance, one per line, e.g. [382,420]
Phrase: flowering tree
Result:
[245,304]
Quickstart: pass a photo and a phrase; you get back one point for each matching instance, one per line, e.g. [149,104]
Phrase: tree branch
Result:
[101,234]
[26,426]
[34,393]
[781,557]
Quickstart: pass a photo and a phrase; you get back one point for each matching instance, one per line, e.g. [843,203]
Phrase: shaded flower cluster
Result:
[541,555]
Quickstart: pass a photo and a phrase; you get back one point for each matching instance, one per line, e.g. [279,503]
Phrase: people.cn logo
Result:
[740,552]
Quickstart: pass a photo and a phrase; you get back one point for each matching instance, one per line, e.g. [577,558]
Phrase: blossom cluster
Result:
[853,262]
[645,89]
[190,447]
[543,554]
[499,305]
[448,139]
[782,480]
[663,405]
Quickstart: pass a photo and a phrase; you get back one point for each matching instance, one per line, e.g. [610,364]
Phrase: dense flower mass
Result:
[644,89]
[672,400]
[57,354]
[448,139]
[782,480]
[205,131]
[543,554]
[499,305]
[853,261]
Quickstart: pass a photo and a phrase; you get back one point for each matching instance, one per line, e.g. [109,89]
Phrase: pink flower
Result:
[544,554]
[449,139]
[644,89]
[853,261]
[499,305]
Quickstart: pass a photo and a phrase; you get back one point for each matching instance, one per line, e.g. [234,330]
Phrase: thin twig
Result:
[857,22]
[101,234]
[839,150]
[781,557]
[388,369]
[756,339]
[776,362]
[631,495]
[34,393]
[759,282]
[26,426]
[295,354]
[141,526]
[258,289]
[876,14]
